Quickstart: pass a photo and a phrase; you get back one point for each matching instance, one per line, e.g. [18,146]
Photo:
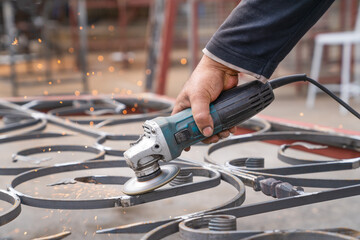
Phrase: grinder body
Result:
[232,107]
[166,137]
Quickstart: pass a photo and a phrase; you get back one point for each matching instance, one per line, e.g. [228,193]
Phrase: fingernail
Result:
[207,131]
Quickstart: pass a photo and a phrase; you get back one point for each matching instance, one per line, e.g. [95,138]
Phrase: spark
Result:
[15,42]
[148,71]
[111,28]
[25,97]
[61,102]
[124,112]
[100,58]
[39,66]
[50,83]
[39,40]
[87,74]
[81,28]
[131,60]
[301,114]
[92,26]
[86,146]
[111,69]
[95,218]
[183,61]
[133,109]
[94,92]
[91,123]
[58,61]
[136,105]
[25,233]
[129,92]
[77,93]
[139,83]
[71,50]
[91,109]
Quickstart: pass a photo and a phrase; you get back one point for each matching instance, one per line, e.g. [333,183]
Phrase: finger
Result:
[224,134]
[230,81]
[201,113]
[181,103]
[232,130]
[212,139]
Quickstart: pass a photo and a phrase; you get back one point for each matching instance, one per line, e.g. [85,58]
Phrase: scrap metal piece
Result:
[100,179]
[64,181]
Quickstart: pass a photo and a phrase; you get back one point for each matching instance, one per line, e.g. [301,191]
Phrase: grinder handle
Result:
[232,107]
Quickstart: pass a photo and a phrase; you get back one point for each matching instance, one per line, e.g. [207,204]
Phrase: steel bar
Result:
[212,178]
[15,209]
[142,227]
[249,175]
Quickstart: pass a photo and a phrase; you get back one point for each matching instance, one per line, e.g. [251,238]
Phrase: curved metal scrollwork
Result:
[285,184]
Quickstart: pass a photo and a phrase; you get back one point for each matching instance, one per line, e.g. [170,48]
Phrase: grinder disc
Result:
[135,187]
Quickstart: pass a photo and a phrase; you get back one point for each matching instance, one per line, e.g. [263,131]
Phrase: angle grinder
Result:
[165,138]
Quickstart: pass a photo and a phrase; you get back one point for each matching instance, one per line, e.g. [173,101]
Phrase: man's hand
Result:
[206,83]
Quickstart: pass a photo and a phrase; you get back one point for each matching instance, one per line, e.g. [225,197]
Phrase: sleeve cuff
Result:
[236,68]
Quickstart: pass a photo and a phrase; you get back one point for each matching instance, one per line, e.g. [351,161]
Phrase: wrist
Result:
[209,62]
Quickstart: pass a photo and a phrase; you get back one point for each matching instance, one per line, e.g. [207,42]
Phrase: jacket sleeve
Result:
[258,34]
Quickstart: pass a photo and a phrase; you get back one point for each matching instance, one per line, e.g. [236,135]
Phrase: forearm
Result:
[258,34]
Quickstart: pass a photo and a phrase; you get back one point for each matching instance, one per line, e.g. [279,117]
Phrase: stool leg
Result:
[315,71]
[357,73]
[345,76]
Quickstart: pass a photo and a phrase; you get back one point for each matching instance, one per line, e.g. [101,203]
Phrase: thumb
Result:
[201,113]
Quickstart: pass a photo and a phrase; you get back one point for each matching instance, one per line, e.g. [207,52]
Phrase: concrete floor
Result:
[37,222]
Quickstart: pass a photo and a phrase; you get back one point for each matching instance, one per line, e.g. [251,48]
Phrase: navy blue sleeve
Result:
[258,34]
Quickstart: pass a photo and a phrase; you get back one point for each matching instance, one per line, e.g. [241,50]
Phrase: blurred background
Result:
[92,47]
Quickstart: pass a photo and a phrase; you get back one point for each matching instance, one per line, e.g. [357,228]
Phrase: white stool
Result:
[346,88]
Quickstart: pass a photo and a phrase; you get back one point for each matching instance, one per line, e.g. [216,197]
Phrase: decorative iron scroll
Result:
[28,122]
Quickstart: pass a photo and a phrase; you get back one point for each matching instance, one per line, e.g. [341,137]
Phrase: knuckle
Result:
[202,118]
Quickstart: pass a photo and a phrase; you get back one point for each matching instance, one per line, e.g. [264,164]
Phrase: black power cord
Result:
[302,77]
